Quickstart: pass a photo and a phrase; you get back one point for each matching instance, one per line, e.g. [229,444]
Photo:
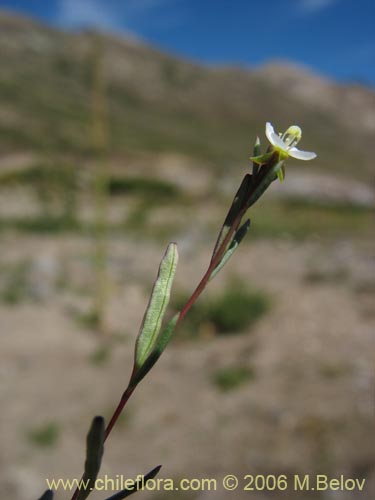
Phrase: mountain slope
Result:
[160,103]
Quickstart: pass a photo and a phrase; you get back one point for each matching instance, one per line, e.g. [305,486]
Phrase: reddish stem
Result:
[124,399]
[215,261]
[194,296]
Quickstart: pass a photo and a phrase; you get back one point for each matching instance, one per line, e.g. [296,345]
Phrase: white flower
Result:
[286,143]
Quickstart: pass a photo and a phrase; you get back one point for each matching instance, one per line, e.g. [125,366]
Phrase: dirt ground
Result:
[307,410]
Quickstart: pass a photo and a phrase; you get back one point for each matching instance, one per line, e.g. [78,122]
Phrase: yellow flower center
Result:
[292,136]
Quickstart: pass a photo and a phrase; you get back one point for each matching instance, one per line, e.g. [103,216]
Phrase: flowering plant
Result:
[284,145]
[152,338]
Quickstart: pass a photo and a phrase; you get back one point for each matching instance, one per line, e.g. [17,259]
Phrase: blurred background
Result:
[125,125]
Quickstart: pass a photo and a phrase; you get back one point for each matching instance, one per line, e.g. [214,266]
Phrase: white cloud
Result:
[108,14]
[311,6]
[77,13]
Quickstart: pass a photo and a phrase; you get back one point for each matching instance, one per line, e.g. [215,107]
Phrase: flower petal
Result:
[301,155]
[275,140]
[270,131]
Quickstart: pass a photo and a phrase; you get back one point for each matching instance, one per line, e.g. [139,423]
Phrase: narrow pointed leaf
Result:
[47,495]
[238,237]
[157,306]
[262,159]
[137,485]
[256,152]
[266,178]
[94,455]
[165,336]
[280,175]
[238,204]
[160,344]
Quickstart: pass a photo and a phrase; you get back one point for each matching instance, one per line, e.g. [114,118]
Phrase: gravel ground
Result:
[308,409]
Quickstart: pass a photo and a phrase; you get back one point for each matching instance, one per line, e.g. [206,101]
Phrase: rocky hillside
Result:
[159,103]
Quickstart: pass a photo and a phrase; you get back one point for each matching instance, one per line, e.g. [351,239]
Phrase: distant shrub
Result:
[40,224]
[45,436]
[55,188]
[233,377]
[57,176]
[235,310]
[88,319]
[15,287]
[100,356]
[142,186]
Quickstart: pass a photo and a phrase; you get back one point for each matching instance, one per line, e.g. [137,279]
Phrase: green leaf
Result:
[160,344]
[47,495]
[238,204]
[165,336]
[94,455]
[262,159]
[238,237]
[266,178]
[281,173]
[157,306]
[137,485]
[256,152]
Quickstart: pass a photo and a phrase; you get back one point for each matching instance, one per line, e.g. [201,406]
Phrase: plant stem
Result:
[190,302]
[129,391]
[124,399]
[260,183]
[215,261]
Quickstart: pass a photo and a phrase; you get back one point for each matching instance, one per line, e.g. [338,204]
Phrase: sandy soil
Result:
[308,410]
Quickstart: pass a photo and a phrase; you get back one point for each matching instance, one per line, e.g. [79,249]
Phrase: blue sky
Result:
[333,37]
